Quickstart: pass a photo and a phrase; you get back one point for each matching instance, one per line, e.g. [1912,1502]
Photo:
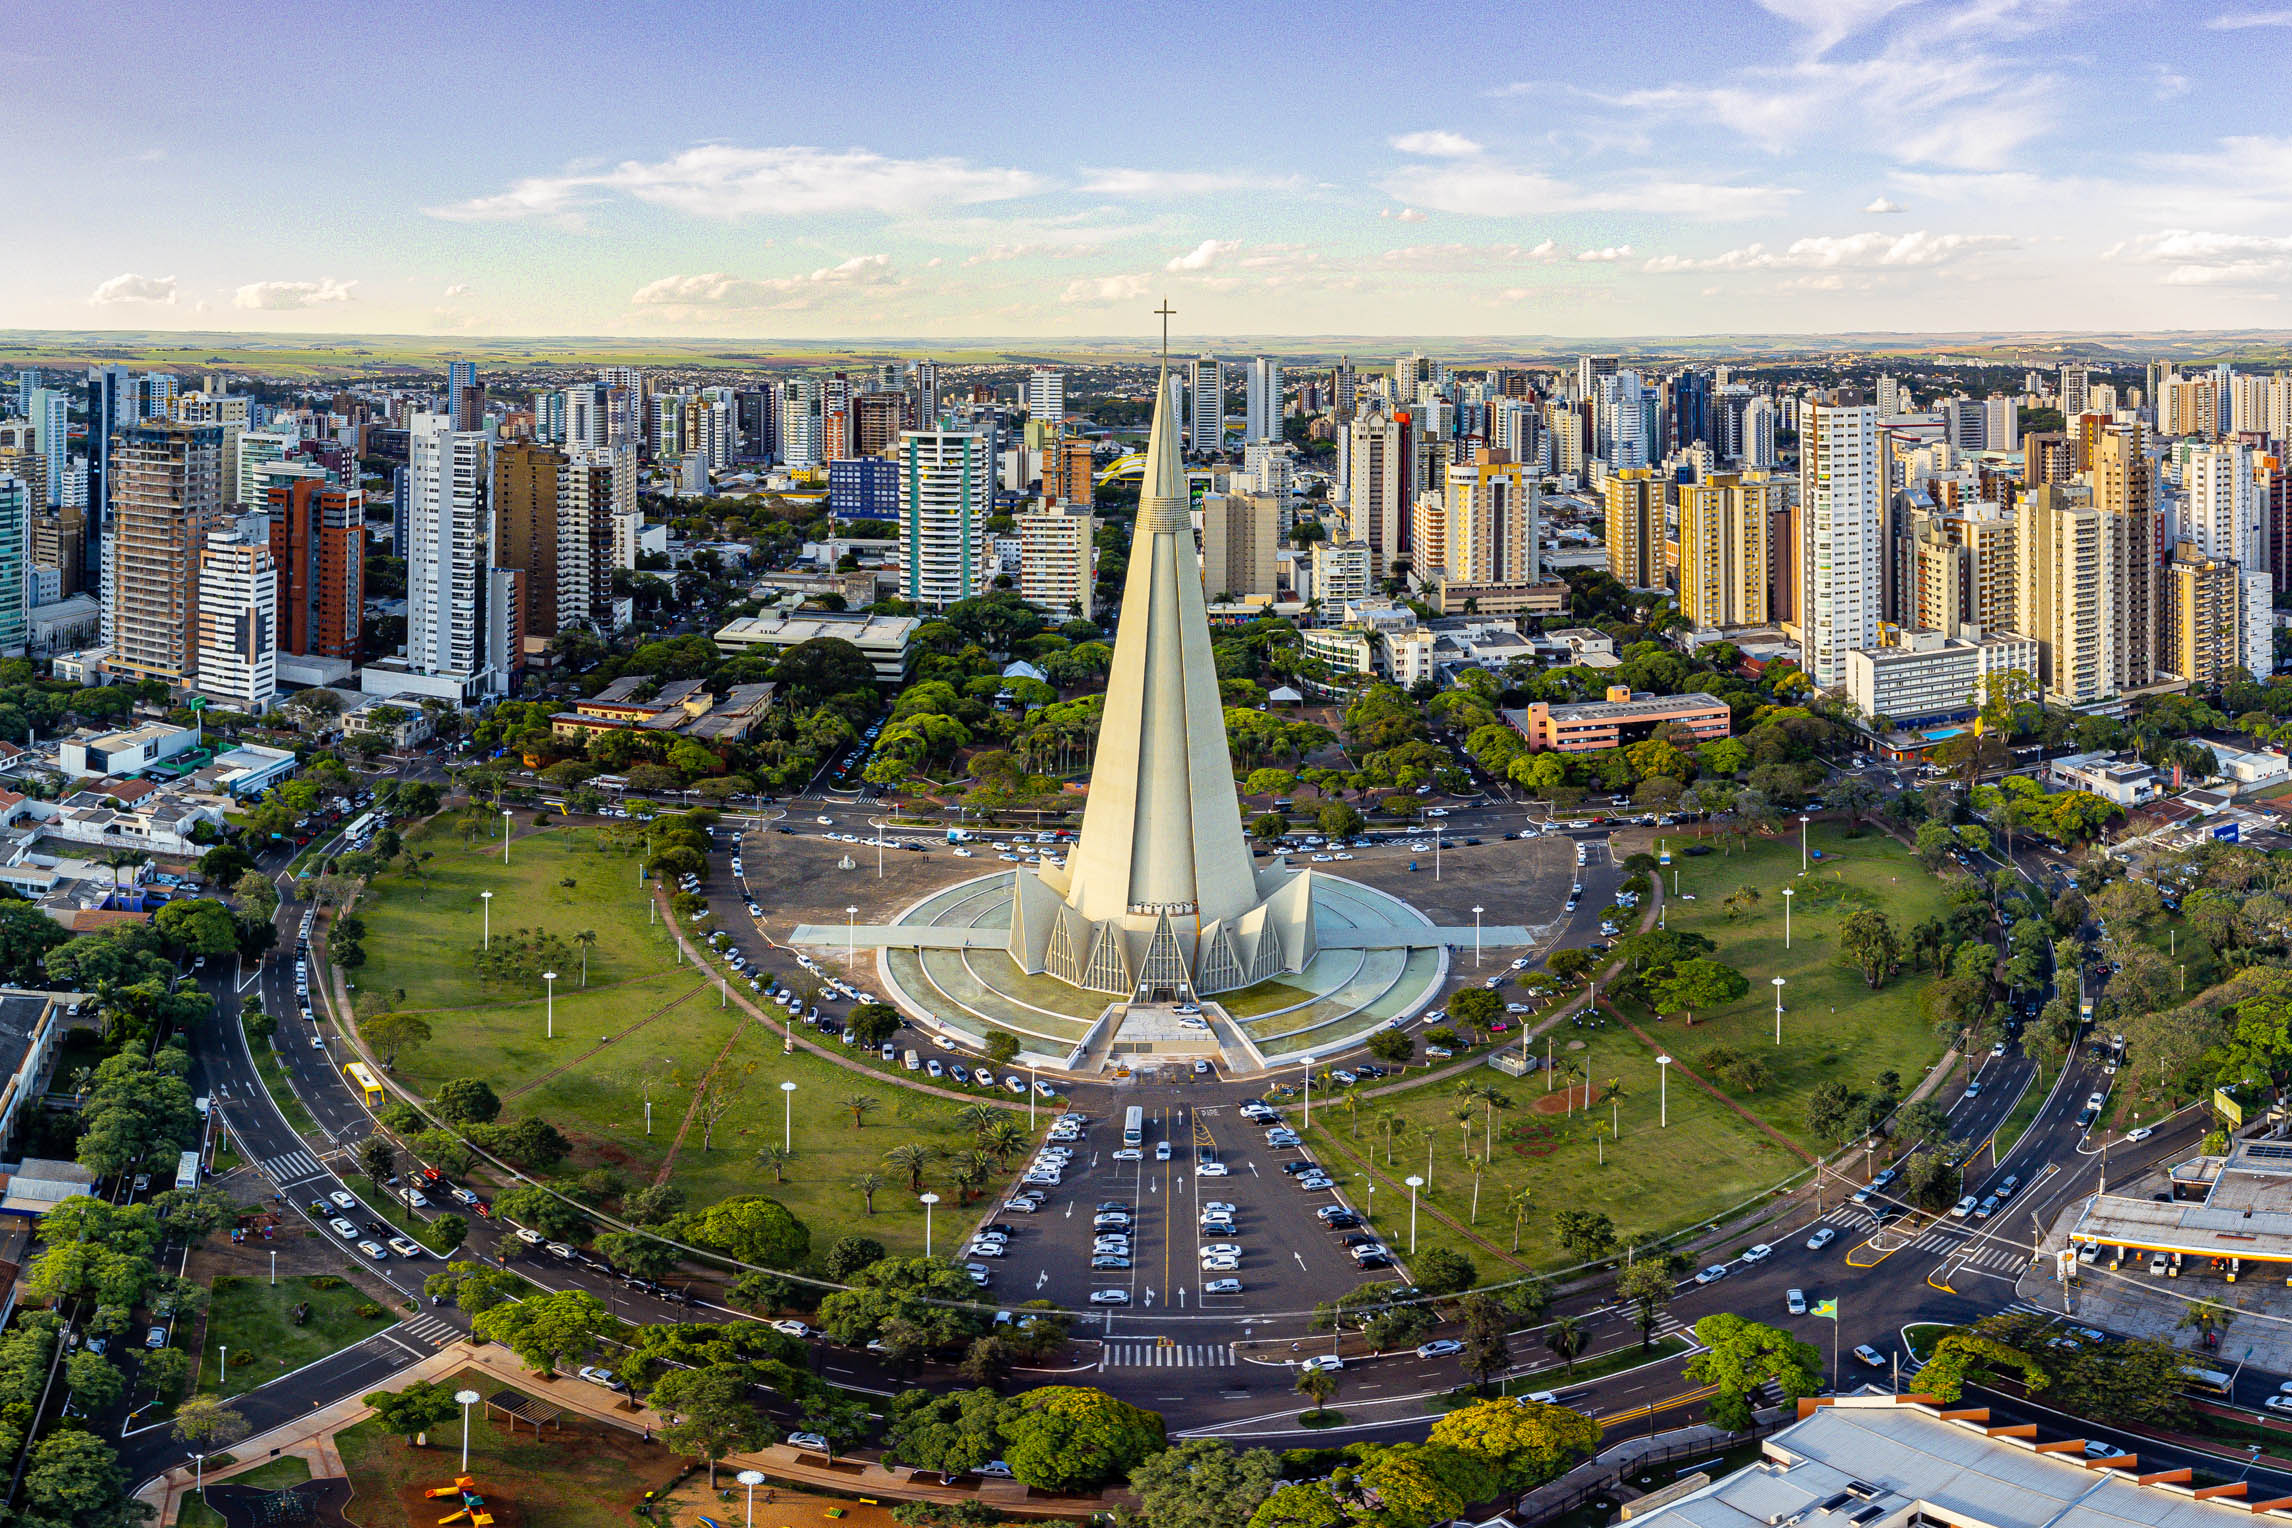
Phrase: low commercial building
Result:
[2249,770]
[126,753]
[681,708]
[1452,596]
[1624,717]
[1886,1461]
[1926,676]
[2127,782]
[248,770]
[2231,1214]
[885,640]
[131,814]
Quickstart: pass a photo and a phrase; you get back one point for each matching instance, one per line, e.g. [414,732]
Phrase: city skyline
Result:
[1903,165]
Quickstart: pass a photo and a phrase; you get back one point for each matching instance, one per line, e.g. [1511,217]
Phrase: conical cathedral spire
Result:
[1162,854]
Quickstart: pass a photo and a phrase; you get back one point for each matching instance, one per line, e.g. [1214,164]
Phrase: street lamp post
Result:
[1436,849]
[1663,1092]
[851,934]
[1803,843]
[468,1398]
[751,1479]
[485,903]
[505,827]
[1032,1095]
[1786,917]
[1414,1182]
[788,1117]
[1476,912]
[551,978]
[1778,1010]
[928,1201]
[274,1267]
[199,1476]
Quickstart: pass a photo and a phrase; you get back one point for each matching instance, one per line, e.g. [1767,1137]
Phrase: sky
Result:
[816,171]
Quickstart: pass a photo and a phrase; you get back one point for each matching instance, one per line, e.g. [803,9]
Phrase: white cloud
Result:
[1470,257]
[1498,190]
[730,182]
[1410,215]
[997,254]
[1106,289]
[459,289]
[1882,205]
[1436,145]
[1830,252]
[1604,256]
[284,296]
[2195,258]
[130,287]
[2241,21]
[1827,23]
[1179,183]
[1204,255]
[717,292]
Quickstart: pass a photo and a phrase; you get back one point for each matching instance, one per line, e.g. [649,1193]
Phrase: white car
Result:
[1965,1206]
[1110,1297]
[374,1250]
[2141,1134]
[343,1201]
[343,1228]
[1758,1254]
[1221,1249]
[405,1248]
[1221,1264]
[1222,1287]
[1129,1154]
[1712,1274]
[1208,1169]
[791,1328]
[1328,1361]
[1822,1238]
[987,1249]
[1217,1207]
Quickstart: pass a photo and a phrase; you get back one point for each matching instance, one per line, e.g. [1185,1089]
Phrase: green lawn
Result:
[646,1016]
[254,1318]
[421,930]
[1657,1179]
[584,1475]
[277,1475]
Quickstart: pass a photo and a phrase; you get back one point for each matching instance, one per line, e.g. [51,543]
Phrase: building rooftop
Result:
[858,627]
[1875,1462]
[1638,705]
[2237,1206]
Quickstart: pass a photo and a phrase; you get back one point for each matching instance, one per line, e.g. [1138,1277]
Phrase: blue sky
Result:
[808,170]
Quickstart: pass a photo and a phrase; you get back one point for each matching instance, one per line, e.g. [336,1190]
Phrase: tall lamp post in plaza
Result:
[928,1201]
[1476,912]
[550,977]
[485,904]
[1787,917]
[467,1398]
[851,934]
[1803,843]
[788,1118]
[506,820]
[1778,1010]
[1663,1092]
[1414,1182]
[751,1479]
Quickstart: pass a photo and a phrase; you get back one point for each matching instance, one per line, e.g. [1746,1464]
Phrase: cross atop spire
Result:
[1165,311]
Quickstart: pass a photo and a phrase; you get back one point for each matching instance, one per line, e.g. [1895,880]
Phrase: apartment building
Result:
[318,553]
[1241,532]
[1055,574]
[946,494]
[237,659]
[165,480]
[1842,508]
[1636,530]
[1929,676]
[1723,544]
[2066,596]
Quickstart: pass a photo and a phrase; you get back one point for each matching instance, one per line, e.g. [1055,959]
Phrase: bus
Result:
[362,1079]
[2204,1381]
[187,1170]
[1134,1127]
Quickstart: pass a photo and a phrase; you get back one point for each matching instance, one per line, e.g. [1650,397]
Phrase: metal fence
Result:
[1603,1474]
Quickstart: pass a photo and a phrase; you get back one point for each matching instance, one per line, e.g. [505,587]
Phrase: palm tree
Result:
[1565,1339]
[1495,1099]
[977,1117]
[859,1104]
[1387,1119]
[1522,1201]
[1004,1139]
[585,939]
[1478,1165]
[1612,1094]
[973,1169]
[1353,1114]
[910,1157]
[869,1184]
[774,1156]
[1463,1116]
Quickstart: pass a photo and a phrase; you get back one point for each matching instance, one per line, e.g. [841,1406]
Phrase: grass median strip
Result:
[258,1322]
[1559,1379]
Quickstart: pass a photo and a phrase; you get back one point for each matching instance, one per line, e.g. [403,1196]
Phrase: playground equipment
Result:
[472,1506]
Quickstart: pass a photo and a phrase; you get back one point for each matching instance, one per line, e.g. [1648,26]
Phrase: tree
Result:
[860,1105]
[204,1422]
[1476,1006]
[955,1432]
[26,936]
[378,1160]
[1317,1385]
[1312,1505]
[198,926]
[912,1304]
[1564,1339]
[850,1254]
[1072,1438]
[910,1157]
[1202,1483]
[390,1033]
[547,1330]
[421,1406]
[633,1252]
[1741,1356]
[95,1382]
[537,1209]
[1392,1046]
[1964,1356]
[1645,1286]
[466,1101]
[1699,983]
[1338,819]
[73,1477]
[1440,1271]
[874,1023]
[714,1415]
[1932,843]
[1589,1234]
[1002,1047]
[753,1229]
[1868,939]
[1526,1442]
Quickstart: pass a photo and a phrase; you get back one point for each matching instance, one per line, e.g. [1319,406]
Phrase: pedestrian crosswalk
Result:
[433,1331]
[2026,1308]
[292,1167]
[2003,1257]
[1176,1355]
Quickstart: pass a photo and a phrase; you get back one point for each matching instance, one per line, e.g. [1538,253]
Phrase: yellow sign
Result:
[2228,1108]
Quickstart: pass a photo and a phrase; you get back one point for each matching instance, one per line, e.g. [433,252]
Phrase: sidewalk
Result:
[312,1438]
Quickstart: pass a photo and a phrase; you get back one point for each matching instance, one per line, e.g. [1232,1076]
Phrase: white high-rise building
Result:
[803,424]
[1759,433]
[1619,428]
[49,412]
[1842,497]
[1266,467]
[2221,505]
[257,449]
[238,624]
[15,565]
[1206,405]
[2073,389]
[1054,560]
[1046,395]
[1262,385]
[449,533]
[2001,424]
[946,494]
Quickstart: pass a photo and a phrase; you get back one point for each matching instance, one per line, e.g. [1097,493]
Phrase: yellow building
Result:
[1723,544]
